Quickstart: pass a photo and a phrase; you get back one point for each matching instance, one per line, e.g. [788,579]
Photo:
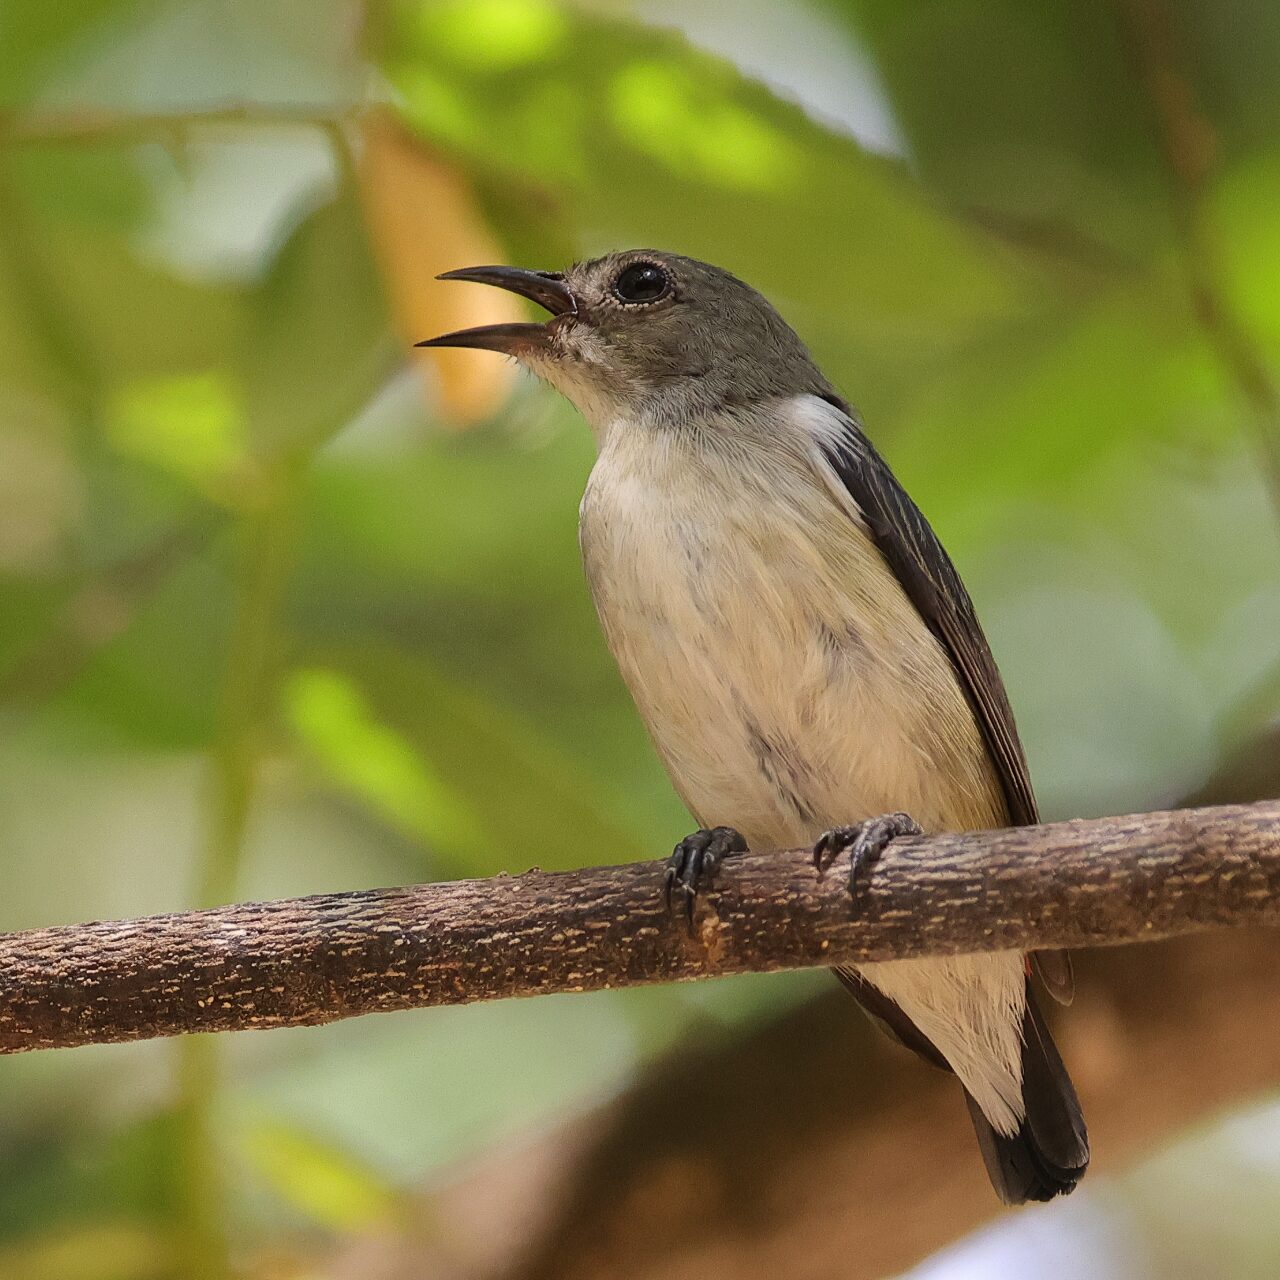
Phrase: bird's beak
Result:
[546,288]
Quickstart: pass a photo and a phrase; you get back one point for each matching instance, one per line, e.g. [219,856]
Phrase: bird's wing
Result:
[926,574]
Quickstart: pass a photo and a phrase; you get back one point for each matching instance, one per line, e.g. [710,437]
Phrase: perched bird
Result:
[800,647]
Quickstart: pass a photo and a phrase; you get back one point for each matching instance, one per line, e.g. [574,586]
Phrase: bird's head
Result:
[645,334]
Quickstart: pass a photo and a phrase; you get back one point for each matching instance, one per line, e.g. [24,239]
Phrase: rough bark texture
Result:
[314,960]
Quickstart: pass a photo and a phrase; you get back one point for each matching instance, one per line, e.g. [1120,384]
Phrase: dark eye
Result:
[641,282]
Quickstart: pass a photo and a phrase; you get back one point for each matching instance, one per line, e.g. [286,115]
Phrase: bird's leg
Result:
[866,841]
[694,862]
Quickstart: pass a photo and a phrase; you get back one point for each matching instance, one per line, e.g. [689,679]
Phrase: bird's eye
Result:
[641,282]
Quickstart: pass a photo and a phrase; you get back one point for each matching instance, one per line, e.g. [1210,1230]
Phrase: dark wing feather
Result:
[885,1013]
[913,552]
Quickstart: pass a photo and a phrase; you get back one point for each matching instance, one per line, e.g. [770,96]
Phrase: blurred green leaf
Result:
[171,56]
[1031,108]
[684,118]
[103,1251]
[493,35]
[97,187]
[335,725]
[317,342]
[83,1176]
[37,41]
[1245,217]
[90,308]
[1033,415]
[156,686]
[190,425]
[538,807]
[326,1183]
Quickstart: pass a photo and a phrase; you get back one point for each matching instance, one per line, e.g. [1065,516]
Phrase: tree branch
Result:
[307,961]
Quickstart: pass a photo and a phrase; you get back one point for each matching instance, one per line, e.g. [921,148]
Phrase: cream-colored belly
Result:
[786,680]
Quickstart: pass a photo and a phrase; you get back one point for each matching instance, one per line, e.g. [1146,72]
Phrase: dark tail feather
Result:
[1050,1152]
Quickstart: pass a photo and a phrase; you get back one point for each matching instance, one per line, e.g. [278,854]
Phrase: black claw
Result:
[694,862]
[866,841]
[829,845]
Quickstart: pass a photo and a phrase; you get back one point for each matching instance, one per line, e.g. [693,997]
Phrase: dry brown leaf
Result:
[424,219]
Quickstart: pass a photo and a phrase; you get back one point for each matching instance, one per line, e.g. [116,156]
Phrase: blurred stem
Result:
[47,319]
[88,125]
[252,668]
[201,1246]
[1188,143]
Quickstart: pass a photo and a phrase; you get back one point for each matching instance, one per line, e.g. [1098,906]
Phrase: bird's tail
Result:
[1049,1153]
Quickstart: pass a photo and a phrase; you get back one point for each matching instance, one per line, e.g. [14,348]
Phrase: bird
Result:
[801,649]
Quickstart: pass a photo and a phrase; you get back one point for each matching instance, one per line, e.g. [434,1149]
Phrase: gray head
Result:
[647,334]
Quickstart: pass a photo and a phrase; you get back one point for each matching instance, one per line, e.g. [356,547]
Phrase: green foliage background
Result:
[268,628]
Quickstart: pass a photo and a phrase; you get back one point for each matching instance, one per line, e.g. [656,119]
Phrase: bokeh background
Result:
[287,608]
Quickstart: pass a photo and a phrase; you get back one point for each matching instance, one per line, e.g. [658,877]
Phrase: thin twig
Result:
[95,125]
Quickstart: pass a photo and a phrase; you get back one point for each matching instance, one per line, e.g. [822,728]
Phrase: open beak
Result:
[546,288]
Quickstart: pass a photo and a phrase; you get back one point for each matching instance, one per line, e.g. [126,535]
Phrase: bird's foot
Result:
[866,841]
[694,863]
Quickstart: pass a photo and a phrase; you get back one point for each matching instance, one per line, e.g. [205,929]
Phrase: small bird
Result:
[801,649]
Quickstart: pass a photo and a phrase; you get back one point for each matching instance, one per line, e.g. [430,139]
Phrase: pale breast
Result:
[786,680]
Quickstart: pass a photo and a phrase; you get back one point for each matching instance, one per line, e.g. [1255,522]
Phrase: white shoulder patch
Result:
[824,423]
[826,429]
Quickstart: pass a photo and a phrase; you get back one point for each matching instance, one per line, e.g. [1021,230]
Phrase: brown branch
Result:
[313,960]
